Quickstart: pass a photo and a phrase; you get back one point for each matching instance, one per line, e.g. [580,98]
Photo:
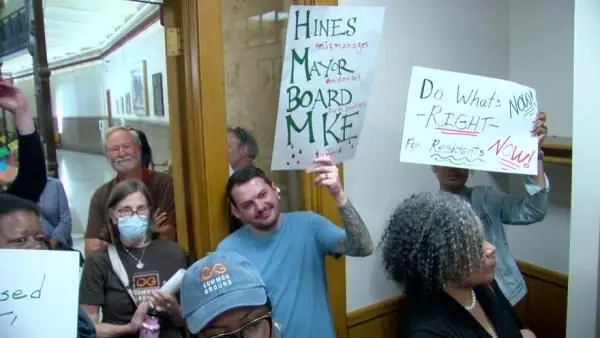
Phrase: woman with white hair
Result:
[434,248]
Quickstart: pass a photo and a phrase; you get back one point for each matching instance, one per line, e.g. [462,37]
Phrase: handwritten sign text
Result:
[38,293]
[469,121]
[327,71]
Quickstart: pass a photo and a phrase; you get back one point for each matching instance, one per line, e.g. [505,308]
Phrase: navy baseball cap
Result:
[217,283]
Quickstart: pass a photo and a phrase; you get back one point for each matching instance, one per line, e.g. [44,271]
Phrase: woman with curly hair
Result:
[434,248]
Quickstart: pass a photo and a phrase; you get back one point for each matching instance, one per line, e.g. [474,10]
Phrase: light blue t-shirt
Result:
[292,263]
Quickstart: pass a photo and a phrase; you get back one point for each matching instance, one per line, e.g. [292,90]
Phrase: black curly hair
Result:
[430,240]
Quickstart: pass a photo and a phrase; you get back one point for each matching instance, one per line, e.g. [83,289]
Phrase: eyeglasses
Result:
[260,327]
[142,211]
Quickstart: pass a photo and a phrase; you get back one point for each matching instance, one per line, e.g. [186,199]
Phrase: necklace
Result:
[139,265]
[473,301]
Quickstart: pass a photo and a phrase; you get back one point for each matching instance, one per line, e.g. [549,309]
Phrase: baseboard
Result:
[546,320]
[374,311]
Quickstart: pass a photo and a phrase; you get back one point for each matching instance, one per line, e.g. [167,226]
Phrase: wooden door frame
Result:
[196,91]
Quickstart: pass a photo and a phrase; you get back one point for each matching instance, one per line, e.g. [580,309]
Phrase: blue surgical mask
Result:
[132,228]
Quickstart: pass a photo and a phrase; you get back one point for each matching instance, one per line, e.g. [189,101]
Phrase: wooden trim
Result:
[544,274]
[374,311]
[558,150]
[396,304]
[197,121]
[172,17]
[197,139]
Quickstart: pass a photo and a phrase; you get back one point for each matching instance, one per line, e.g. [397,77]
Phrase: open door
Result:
[224,62]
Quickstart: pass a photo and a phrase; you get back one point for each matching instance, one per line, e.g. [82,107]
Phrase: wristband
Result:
[541,155]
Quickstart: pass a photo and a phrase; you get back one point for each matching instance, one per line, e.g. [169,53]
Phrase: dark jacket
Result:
[31,177]
[85,327]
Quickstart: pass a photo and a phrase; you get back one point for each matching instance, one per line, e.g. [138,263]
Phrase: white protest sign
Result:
[39,293]
[326,75]
[468,121]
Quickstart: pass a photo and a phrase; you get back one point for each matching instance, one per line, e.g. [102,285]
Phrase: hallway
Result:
[81,174]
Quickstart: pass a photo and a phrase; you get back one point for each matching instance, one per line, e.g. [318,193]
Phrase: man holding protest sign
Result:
[289,248]
[496,209]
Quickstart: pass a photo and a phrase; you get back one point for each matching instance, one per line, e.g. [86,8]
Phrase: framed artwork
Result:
[139,89]
[157,94]
[128,104]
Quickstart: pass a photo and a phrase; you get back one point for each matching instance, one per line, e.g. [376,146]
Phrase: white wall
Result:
[469,36]
[75,91]
[585,208]
[149,45]
[541,56]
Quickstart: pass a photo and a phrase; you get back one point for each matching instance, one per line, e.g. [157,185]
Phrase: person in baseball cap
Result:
[223,295]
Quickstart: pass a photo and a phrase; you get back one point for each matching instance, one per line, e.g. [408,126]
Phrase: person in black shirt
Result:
[31,177]
[434,248]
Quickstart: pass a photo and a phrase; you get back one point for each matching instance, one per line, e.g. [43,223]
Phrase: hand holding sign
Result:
[328,175]
[540,127]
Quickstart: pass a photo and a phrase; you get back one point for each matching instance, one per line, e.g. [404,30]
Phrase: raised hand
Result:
[12,99]
[328,176]
[540,127]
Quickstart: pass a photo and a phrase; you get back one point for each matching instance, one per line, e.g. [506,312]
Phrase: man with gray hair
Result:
[242,148]
[124,153]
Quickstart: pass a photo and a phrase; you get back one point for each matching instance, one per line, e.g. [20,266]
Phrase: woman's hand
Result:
[527,334]
[540,127]
[138,317]
[165,302]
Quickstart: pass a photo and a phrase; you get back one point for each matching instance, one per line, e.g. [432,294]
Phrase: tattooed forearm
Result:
[358,241]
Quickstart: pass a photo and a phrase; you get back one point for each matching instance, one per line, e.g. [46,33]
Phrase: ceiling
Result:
[77,29]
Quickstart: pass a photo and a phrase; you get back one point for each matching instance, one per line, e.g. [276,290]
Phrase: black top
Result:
[31,177]
[440,315]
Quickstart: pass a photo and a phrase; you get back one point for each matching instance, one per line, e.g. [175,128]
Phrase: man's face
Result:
[451,178]
[236,151]
[21,230]
[123,154]
[256,204]
[242,322]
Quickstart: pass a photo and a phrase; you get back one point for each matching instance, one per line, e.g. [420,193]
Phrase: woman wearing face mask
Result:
[124,279]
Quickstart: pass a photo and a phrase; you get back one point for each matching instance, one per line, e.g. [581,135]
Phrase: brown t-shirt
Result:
[160,186]
[101,286]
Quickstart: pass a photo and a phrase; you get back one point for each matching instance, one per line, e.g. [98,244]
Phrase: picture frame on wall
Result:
[157,95]
[139,89]
[128,104]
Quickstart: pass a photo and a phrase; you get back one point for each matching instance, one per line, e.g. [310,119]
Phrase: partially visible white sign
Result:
[39,293]
[468,121]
